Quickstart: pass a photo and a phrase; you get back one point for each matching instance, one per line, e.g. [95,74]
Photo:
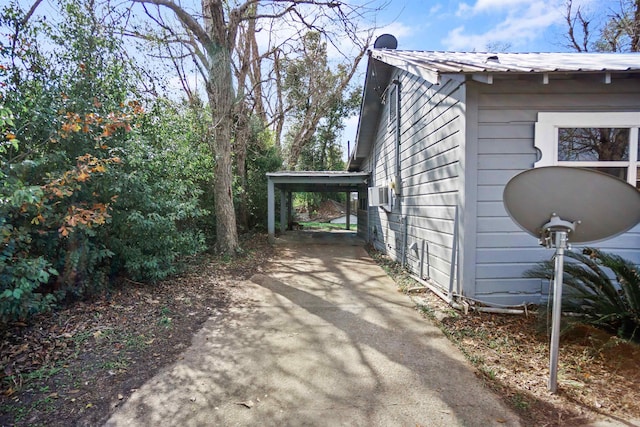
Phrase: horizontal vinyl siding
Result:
[429,156]
[430,163]
[507,111]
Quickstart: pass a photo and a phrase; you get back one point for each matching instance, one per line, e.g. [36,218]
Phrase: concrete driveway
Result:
[322,338]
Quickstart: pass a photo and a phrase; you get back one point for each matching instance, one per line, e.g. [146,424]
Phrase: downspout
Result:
[405,230]
[424,254]
[398,183]
[454,255]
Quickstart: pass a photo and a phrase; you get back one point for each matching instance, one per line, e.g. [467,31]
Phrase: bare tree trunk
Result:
[279,113]
[226,230]
[221,95]
[240,149]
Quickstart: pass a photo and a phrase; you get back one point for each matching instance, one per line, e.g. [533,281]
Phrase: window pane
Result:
[393,104]
[593,144]
[617,172]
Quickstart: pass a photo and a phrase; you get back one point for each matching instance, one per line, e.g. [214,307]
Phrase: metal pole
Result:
[422,260]
[561,244]
[348,222]
[283,211]
[271,210]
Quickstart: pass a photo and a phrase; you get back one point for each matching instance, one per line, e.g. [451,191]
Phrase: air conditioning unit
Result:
[378,196]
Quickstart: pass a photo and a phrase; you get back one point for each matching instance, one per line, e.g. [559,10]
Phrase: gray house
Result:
[442,133]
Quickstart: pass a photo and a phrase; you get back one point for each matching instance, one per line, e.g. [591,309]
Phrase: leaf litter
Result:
[74,366]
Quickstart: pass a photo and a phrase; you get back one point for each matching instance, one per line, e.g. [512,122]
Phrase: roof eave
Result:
[377,78]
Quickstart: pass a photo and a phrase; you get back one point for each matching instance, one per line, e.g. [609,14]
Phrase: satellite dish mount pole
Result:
[584,195]
[556,235]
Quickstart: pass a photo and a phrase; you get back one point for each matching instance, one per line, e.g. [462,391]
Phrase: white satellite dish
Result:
[559,204]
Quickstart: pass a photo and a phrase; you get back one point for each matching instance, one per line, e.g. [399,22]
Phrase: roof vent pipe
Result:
[386,41]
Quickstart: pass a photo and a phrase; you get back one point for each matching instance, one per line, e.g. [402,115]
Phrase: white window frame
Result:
[546,137]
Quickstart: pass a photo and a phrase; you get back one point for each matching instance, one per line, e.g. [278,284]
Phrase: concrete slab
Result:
[322,339]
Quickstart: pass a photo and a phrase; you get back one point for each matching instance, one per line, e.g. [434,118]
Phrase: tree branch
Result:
[186,19]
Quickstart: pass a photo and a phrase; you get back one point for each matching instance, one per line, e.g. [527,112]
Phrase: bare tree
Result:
[619,31]
[577,28]
[312,90]
[221,37]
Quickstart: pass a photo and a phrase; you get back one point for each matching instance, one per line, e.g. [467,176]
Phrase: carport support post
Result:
[289,207]
[271,207]
[283,211]
[348,210]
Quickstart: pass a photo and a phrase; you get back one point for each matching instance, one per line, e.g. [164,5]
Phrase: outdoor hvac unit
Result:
[378,196]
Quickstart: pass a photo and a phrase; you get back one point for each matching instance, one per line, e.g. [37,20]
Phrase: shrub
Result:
[604,288]
[20,276]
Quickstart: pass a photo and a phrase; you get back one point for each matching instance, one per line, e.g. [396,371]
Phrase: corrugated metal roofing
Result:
[327,174]
[318,181]
[477,62]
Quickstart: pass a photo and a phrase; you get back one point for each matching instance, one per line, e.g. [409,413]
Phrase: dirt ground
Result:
[598,373]
[76,365]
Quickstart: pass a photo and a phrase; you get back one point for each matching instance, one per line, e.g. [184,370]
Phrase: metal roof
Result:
[481,66]
[318,181]
[486,62]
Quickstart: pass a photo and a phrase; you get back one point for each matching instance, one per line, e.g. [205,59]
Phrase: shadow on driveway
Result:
[320,338]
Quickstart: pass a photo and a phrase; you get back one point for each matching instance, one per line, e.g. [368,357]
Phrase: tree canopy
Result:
[105,173]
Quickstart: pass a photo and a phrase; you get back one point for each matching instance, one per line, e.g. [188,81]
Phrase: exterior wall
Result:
[431,140]
[363,214]
[506,115]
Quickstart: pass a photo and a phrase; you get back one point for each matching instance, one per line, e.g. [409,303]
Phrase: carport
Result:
[289,182]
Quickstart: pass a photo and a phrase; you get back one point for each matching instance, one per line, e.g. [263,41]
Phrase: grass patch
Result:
[326,226]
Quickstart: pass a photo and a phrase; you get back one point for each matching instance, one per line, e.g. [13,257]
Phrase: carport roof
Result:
[318,181]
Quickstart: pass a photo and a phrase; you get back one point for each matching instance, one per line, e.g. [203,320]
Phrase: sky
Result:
[513,25]
[454,25]
[476,25]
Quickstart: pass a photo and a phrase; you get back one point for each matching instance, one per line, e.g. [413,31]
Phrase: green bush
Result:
[151,227]
[20,276]
[91,185]
[604,288]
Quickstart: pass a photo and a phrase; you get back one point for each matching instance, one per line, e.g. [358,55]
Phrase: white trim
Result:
[546,137]
[483,78]
[632,174]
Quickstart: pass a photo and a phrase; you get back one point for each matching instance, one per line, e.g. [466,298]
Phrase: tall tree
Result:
[313,93]
[221,37]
